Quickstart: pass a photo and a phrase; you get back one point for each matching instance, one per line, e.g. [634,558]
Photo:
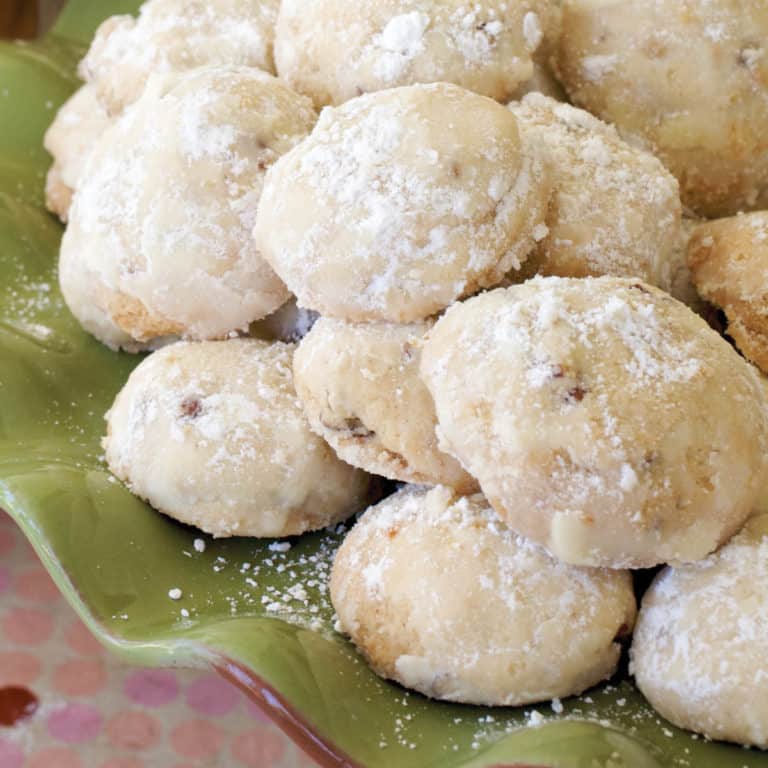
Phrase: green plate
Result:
[259,615]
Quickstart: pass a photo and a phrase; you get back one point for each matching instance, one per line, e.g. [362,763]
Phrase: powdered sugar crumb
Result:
[400,41]
[597,66]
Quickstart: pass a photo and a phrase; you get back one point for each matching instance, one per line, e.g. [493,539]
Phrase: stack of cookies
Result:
[451,278]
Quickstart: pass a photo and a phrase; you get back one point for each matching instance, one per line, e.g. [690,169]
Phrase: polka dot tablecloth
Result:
[91,711]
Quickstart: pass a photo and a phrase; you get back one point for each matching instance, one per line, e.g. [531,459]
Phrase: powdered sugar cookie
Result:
[361,391]
[334,50]
[176,36]
[601,417]
[213,435]
[440,596]
[615,210]
[689,79]
[69,139]
[728,260]
[700,650]
[159,240]
[400,202]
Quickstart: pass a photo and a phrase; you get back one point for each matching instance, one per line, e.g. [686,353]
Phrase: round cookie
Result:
[601,417]
[689,79]
[615,210]
[361,391]
[213,435]
[69,139]
[440,596]
[159,240]
[728,260]
[400,202]
[177,36]
[334,50]
[700,650]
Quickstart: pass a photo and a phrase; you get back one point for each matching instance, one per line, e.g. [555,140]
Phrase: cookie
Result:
[335,50]
[688,79]
[728,260]
[177,36]
[441,597]
[361,391]
[615,210]
[400,202]
[159,239]
[700,650]
[77,126]
[601,417]
[212,434]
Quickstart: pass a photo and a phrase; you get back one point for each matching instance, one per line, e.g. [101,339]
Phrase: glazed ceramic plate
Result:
[256,611]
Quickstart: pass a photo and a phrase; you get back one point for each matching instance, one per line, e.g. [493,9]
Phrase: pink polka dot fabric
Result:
[95,712]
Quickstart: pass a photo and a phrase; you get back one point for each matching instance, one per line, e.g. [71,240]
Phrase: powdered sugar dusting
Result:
[588,406]
[213,434]
[468,640]
[337,51]
[700,647]
[407,233]
[400,41]
[616,209]
[627,63]
[169,36]
[474,38]
[160,230]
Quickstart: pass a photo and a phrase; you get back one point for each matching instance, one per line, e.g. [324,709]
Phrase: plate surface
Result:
[258,614]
